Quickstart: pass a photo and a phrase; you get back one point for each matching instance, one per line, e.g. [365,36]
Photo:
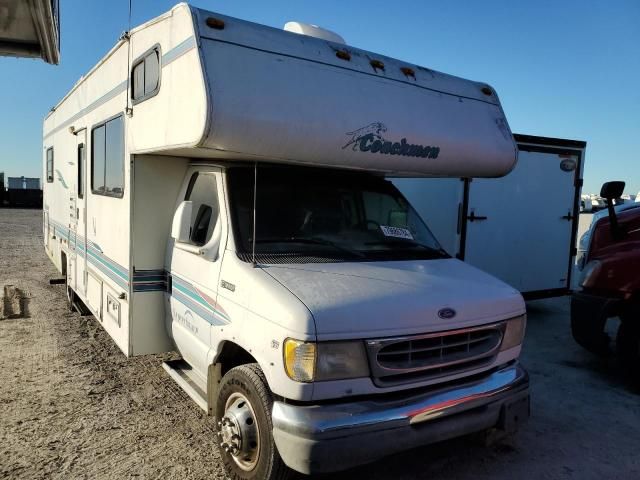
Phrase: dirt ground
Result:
[72,406]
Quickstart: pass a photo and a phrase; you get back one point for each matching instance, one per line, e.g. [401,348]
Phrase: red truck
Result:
[610,284]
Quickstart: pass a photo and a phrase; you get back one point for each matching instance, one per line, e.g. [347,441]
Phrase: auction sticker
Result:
[396,232]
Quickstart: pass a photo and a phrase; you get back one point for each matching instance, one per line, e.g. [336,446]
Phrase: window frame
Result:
[138,61]
[95,126]
[50,179]
[81,152]
[195,176]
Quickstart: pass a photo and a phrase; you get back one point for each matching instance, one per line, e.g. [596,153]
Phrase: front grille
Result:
[422,357]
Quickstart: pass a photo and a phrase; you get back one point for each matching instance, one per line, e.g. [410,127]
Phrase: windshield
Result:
[327,214]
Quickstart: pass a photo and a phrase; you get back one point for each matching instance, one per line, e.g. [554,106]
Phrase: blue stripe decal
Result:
[206,315]
[114,92]
[179,50]
[173,54]
[187,289]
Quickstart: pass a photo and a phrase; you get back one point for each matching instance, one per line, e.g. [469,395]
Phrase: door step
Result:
[188,380]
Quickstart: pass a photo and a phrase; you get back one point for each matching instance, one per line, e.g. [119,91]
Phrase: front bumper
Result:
[330,437]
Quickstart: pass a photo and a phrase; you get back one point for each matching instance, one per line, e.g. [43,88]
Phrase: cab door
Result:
[194,269]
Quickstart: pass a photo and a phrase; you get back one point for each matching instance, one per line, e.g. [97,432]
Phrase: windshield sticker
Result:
[396,232]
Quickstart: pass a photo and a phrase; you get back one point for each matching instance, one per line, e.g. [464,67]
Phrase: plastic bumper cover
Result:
[331,437]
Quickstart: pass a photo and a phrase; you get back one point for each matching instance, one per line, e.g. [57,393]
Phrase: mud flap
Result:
[513,414]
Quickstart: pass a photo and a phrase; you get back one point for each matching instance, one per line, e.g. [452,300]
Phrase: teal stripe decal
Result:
[61,179]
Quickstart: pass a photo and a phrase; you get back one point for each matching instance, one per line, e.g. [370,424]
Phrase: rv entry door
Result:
[78,213]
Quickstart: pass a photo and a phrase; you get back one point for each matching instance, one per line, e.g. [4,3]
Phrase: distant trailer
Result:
[24,192]
[499,224]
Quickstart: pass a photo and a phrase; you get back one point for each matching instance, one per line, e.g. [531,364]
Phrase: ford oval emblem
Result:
[447,313]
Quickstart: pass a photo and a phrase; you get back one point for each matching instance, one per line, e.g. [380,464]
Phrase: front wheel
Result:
[243,414]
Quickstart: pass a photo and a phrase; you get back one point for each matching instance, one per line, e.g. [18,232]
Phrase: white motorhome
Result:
[217,188]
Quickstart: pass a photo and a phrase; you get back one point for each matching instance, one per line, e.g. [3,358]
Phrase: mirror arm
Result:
[188,247]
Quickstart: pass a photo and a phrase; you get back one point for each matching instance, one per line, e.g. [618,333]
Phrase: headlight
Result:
[341,360]
[588,273]
[307,361]
[514,333]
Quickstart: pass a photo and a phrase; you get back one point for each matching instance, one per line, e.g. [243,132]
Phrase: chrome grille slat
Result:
[406,359]
[456,344]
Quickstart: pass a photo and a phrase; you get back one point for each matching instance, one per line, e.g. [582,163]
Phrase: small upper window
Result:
[145,76]
[50,165]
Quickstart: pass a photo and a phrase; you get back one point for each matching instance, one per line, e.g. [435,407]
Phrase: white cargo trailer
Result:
[522,227]
[216,187]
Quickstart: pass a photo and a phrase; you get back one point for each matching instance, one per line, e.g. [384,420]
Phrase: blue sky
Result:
[567,69]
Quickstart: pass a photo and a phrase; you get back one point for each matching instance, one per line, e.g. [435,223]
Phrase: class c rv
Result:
[220,189]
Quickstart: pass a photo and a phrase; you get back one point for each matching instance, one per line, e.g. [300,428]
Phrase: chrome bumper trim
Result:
[320,422]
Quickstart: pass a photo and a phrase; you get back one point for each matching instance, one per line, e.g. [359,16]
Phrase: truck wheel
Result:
[243,414]
[628,346]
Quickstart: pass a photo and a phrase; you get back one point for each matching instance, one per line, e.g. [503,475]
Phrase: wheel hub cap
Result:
[238,432]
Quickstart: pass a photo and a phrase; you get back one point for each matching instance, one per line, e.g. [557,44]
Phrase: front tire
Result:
[245,439]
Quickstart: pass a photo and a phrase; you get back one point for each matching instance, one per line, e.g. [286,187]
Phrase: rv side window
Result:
[50,165]
[107,158]
[145,76]
[81,159]
[202,191]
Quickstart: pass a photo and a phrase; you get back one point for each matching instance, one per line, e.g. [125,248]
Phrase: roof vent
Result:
[313,31]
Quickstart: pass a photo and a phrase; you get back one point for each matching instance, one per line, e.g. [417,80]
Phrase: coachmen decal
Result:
[370,139]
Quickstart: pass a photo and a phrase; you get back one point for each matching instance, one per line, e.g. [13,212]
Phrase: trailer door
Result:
[521,228]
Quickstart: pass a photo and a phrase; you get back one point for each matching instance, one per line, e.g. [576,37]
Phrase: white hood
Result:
[369,299]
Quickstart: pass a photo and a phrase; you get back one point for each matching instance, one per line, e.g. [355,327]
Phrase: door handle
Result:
[568,216]
[475,218]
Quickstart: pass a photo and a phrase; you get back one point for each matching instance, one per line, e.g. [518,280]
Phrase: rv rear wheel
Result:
[243,420]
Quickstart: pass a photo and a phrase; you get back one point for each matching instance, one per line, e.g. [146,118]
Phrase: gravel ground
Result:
[72,406]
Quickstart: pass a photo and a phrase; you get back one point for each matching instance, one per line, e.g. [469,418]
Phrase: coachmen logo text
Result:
[370,139]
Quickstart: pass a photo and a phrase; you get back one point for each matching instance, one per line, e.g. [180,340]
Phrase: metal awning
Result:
[30,28]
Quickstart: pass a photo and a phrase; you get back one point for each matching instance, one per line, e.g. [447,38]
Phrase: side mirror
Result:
[611,191]
[181,226]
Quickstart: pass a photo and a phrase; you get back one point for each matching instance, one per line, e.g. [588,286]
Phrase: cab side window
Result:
[203,192]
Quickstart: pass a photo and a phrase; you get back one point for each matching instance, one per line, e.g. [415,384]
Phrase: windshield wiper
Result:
[311,241]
